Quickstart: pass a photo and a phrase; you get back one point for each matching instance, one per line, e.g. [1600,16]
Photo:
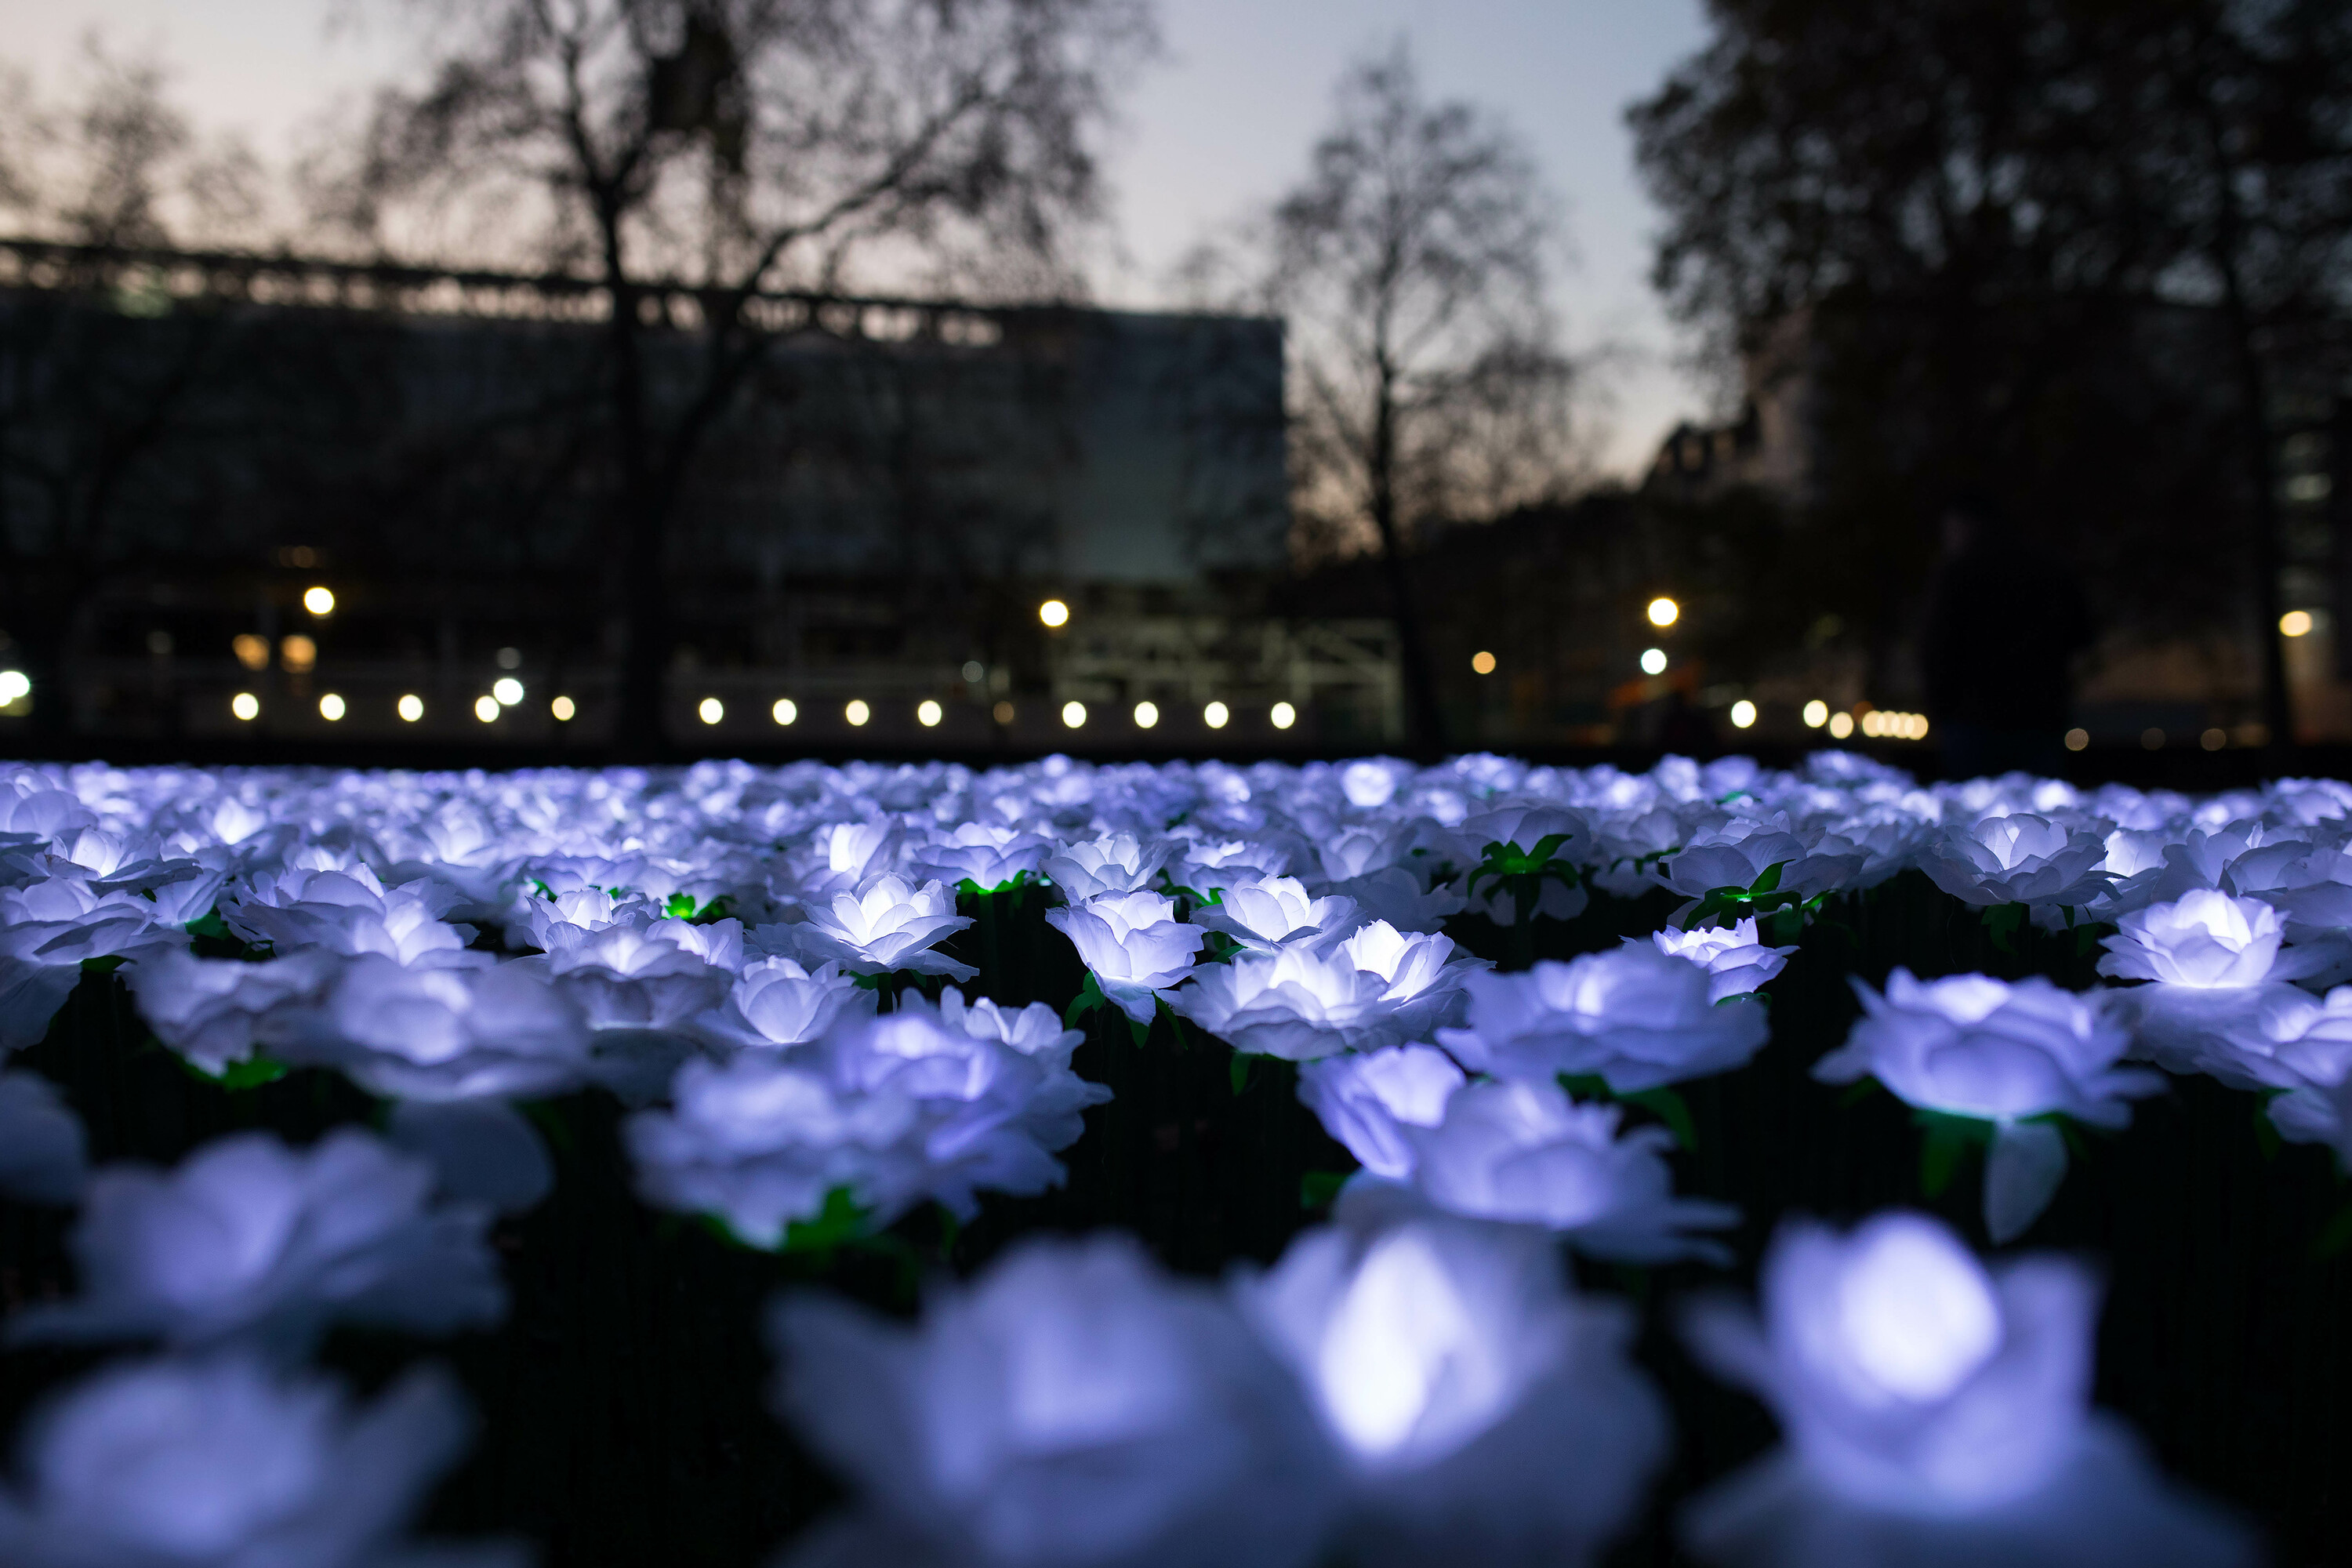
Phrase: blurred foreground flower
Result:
[2007,1056]
[1936,1413]
[221,1464]
[1072,1406]
[253,1242]
[44,1156]
[1481,1411]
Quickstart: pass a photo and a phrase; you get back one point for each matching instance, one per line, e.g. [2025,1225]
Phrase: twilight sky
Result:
[1223,123]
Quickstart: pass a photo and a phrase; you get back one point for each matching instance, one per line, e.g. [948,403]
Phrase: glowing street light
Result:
[487,709]
[711,711]
[1743,714]
[564,708]
[318,601]
[1664,612]
[14,686]
[1816,714]
[1284,715]
[1073,714]
[1483,662]
[508,690]
[928,713]
[785,711]
[1147,714]
[1654,661]
[2296,624]
[1216,715]
[330,707]
[411,707]
[1841,726]
[856,712]
[245,706]
[1054,613]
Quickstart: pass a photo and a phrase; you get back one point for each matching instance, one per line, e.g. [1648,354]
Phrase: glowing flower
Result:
[1133,944]
[888,924]
[775,1003]
[1971,1045]
[437,1033]
[46,930]
[1736,962]
[2021,858]
[1526,1154]
[209,1010]
[1935,1413]
[2205,939]
[913,1106]
[1072,1406]
[1366,1099]
[1633,1016]
[42,1154]
[1482,1412]
[1102,868]
[986,856]
[221,1463]
[251,1241]
[1265,914]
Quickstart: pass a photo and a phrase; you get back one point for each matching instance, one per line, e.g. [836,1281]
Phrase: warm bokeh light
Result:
[330,707]
[564,708]
[928,713]
[1284,715]
[2213,739]
[298,653]
[2152,737]
[1890,724]
[1816,714]
[15,687]
[1002,712]
[785,711]
[974,672]
[1654,661]
[508,690]
[487,709]
[1743,714]
[1841,726]
[318,601]
[411,707]
[2077,740]
[856,712]
[253,652]
[1664,612]
[1215,715]
[245,705]
[2296,624]
[711,711]
[1073,714]
[1483,662]
[1054,613]
[1147,714]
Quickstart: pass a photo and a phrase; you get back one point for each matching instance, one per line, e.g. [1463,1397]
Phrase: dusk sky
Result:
[1221,124]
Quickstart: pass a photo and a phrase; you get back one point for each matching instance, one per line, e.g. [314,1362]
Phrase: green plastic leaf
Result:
[251,1073]
[1237,1071]
[679,906]
[106,965]
[1088,998]
[1317,1188]
[841,1220]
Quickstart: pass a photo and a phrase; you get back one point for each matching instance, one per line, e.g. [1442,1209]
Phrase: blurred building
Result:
[191,444]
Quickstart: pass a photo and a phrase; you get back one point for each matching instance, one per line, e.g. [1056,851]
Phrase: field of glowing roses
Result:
[1183,1164]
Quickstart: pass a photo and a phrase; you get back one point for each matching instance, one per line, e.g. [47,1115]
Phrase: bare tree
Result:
[716,148]
[1428,379]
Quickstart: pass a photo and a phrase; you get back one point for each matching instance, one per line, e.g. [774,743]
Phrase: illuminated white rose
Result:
[886,925]
[1528,1155]
[1935,1413]
[1736,962]
[1133,944]
[437,1033]
[252,1242]
[1366,1099]
[1482,1412]
[2205,939]
[1071,1405]
[2021,858]
[986,856]
[1633,1016]
[775,1003]
[209,1010]
[1971,1045]
[1265,914]
[1102,868]
[223,1463]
